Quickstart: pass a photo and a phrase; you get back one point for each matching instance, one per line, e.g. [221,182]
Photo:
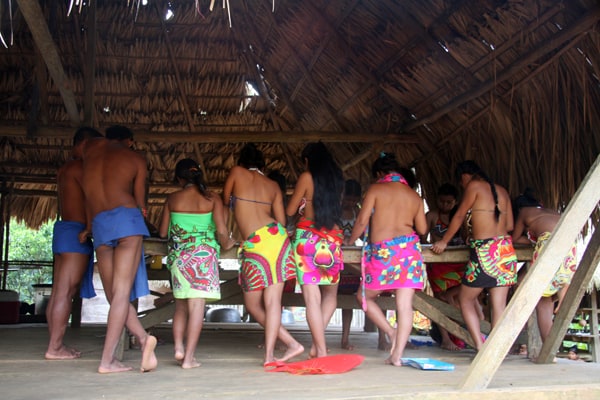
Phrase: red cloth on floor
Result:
[335,364]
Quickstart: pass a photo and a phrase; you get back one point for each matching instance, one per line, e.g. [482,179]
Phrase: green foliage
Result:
[27,244]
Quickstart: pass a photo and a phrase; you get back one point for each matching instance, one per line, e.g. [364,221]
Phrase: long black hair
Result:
[328,184]
[525,199]
[189,170]
[251,157]
[386,163]
[471,168]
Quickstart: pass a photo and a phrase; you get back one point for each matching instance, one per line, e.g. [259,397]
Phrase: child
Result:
[193,218]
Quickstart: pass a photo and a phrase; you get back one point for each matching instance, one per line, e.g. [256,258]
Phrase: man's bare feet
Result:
[191,364]
[291,352]
[389,361]
[114,366]
[64,353]
[149,361]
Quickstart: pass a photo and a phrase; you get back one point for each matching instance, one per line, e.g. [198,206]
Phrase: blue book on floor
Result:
[429,364]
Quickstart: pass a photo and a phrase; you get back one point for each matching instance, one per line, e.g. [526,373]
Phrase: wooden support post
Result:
[594,327]
[495,348]
[572,299]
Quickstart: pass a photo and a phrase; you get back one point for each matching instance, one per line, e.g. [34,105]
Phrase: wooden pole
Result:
[495,348]
[36,22]
[3,261]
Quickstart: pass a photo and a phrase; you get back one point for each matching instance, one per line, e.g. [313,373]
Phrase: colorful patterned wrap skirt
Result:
[492,263]
[193,256]
[318,254]
[565,271]
[266,258]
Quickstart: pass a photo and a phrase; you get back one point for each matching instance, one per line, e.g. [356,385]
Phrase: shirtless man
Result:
[266,256]
[114,183]
[393,260]
[71,258]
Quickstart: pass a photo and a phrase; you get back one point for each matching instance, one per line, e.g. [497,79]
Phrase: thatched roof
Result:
[514,85]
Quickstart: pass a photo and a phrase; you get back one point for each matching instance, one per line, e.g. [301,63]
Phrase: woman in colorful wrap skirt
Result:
[194,220]
[493,262]
[317,198]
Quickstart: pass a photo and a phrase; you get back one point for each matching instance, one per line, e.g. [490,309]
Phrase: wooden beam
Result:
[570,304]
[584,23]
[495,348]
[34,17]
[269,71]
[491,56]
[182,95]
[231,137]
[424,305]
[317,89]
[434,149]
[89,67]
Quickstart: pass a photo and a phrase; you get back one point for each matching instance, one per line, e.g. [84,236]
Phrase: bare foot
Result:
[292,351]
[393,342]
[149,361]
[410,346]
[64,353]
[384,345]
[191,364]
[314,354]
[523,350]
[114,366]
[450,346]
[179,355]
[389,361]
[347,346]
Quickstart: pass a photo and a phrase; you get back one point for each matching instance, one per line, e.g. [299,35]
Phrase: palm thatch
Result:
[512,84]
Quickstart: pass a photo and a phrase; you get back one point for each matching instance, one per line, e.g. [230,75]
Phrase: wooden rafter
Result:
[180,89]
[307,75]
[498,51]
[324,42]
[486,110]
[253,36]
[232,137]
[583,24]
[34,17]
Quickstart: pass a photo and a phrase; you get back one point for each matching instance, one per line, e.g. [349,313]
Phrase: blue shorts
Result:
[110,226]
[65,239]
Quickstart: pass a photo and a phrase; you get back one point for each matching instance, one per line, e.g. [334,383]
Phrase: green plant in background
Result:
[26,244]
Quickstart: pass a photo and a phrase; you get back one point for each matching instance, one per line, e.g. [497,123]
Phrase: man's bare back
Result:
[113,176]
[71,199]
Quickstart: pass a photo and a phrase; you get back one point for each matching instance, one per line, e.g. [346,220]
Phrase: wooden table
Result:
[438,311]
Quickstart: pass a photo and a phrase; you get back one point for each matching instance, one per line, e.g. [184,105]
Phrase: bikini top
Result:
[233,199]
[302,205]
